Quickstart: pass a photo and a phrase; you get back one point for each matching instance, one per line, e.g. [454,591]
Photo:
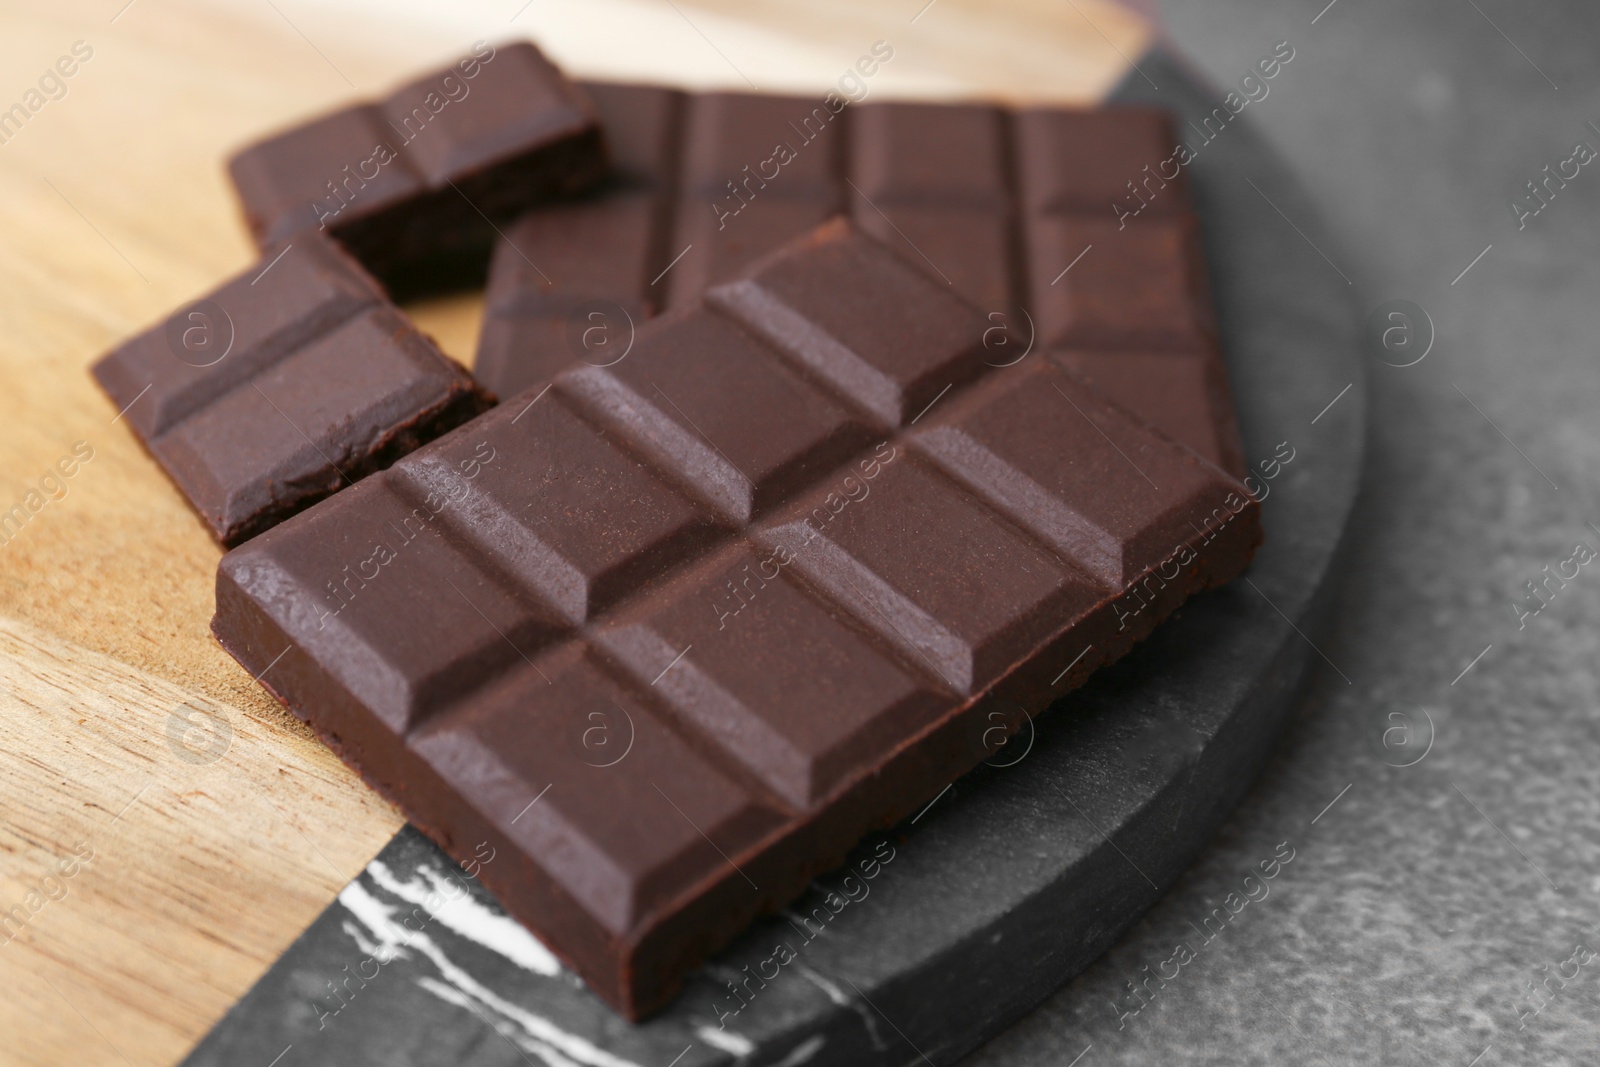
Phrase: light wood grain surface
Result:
[202,827]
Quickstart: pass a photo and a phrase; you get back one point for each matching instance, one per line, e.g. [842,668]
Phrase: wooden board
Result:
[217,826]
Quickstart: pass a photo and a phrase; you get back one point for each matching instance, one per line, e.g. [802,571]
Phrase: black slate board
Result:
[1012,881]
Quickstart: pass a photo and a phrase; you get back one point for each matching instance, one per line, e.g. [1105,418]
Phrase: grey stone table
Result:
[1431,912]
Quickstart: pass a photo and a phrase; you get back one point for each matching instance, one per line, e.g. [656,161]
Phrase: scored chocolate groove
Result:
[797,556]
[1012,208]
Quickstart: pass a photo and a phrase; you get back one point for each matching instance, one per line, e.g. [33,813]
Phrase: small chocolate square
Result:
[290,381]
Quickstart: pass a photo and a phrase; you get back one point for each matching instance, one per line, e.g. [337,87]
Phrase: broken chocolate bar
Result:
[415,184]
[670,636]
[1021,211]
[290,381]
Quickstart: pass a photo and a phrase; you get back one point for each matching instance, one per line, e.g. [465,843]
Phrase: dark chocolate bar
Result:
[1024,212]
[288,382]
[415,184]
[671,635]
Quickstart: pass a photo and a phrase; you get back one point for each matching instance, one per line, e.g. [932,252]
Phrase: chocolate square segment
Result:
[928,568]
[1139,287]
[305,178]
[251,322]
[933,153]
[416,184]
[1184,394]
[566,513]
[641,129]
[713,404]
[382,551]
[683,629]
[517,100]
[624,838]
[720,249]
[829,312]
[570,284]
[292,380]
[802,722]
[740,147]
[970,248]
[1078,473]
[1070,229]
[603,251]
[1086,161]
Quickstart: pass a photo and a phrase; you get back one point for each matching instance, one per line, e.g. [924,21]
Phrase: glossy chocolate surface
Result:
[1012,209]
[288,382]
[672,635]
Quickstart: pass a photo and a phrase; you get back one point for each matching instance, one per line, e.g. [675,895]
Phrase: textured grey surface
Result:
[1419,908]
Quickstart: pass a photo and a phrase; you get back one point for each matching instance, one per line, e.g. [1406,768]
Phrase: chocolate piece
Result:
[291,380]
[415,184]
[1050,220]
[671,636]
